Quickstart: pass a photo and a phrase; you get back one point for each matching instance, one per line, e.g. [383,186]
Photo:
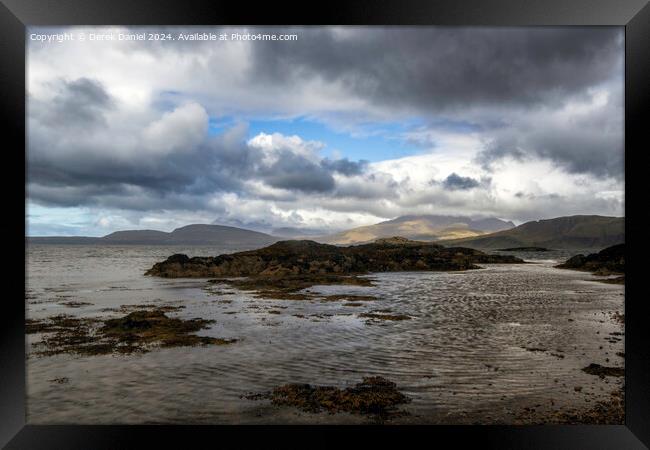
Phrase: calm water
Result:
[461,357]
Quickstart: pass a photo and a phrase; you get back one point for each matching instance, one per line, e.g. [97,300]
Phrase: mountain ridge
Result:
[570,232]
[566,232]
[423,227]
[194,234]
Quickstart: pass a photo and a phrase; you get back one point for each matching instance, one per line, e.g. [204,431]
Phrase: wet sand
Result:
[504,344]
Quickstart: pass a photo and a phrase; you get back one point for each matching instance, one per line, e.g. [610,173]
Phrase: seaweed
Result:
[289,287]
[135,332]
[384,316]
[373,396]
[603,371]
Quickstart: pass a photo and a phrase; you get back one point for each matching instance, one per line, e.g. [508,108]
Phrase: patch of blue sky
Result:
[371,142]
[376,141]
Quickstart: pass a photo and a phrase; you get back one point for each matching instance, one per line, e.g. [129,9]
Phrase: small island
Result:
[303,257]
[286,267]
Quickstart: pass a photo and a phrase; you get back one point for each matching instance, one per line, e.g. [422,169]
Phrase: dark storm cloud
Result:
[294,172]
[491,77]
[88,168]
[456,182]
[437,69]
[582,151]
[428,69]
[588,143]
[77,103]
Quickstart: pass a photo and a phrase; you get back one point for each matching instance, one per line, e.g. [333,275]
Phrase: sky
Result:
[338,128]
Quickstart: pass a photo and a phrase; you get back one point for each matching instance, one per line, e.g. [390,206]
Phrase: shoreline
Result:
[326,311]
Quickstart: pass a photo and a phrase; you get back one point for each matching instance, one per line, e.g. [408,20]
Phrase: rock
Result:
[178,258]
[374,396]
[299,258]
[606,262]
[603,371]
[574,262]
[138,331]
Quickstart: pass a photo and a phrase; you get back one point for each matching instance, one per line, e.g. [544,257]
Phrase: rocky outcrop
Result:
[608,261]
[299,258]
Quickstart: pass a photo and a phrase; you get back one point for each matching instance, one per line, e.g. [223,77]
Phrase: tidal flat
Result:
[507,344]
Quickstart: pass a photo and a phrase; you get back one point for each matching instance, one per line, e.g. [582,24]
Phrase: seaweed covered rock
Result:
[374,395]
[608,261]
[303,257]
[603,371]
[138,331]
[156,327]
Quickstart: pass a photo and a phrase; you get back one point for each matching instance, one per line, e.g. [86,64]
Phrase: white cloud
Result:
[178,130]
[273,145]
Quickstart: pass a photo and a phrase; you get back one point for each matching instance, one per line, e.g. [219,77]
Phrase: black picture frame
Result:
[634,15]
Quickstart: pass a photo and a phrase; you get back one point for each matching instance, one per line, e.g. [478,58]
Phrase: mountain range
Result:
[572,232]
[419,228]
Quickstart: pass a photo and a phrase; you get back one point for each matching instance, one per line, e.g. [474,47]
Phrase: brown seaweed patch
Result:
[74,304]
[610,411]
[373,396]
[288,287]
[535,349]
[135,332]
[62,380]
[383,316]
[58,323]
[154,326]
[139,307]
[603,371]
[618,317]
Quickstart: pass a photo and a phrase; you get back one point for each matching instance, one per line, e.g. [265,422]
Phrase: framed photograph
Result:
[291,222]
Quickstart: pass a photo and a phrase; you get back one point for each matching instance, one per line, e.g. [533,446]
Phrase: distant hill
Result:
[572,232]
[135,236]
[217,235]
[420,227]
[295,233]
